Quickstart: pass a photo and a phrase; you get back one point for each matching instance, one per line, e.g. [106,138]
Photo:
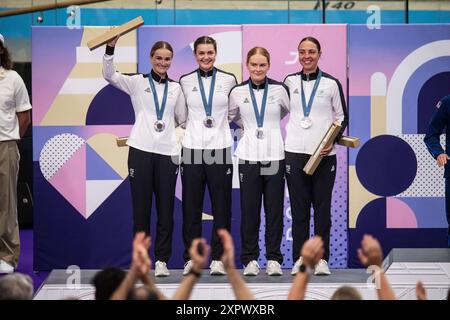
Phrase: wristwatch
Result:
[304,269]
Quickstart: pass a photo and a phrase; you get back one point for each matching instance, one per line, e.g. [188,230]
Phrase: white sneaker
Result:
[217,268]
[161,269]
[296,266]
[322,268]
[6,267]
[251,269]
[273,268]
[187,267]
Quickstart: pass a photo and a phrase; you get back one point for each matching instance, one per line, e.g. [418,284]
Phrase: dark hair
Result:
[107,281]
[160,45]
[261,51]
[5,57]
[205,40]
[311,39]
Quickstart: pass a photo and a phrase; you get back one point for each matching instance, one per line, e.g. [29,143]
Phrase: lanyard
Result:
[259,115]
[307,108]
[207,104]
[159,111]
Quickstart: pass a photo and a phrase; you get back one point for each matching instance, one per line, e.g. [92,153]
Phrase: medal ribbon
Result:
[307,108]
[159,111]
[207,104]
[259,115]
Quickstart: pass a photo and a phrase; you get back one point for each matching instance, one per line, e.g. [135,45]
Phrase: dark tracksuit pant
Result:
[153,173]
[305,190]
[198,169]
[258,180]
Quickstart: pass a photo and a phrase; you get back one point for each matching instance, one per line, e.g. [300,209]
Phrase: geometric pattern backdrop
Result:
[397,74]
[79,173]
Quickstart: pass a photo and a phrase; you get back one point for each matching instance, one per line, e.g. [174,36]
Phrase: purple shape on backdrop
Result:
[110,106]
[372,220]
[386,165]
[373,215]
[359,125]
[97,167]
[416,110]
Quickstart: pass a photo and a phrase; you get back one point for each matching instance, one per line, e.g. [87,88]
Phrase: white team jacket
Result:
[143,136]
[197,136]
[329,99]
[241,111]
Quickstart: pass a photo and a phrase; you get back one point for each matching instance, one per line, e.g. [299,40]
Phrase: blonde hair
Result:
[258,50]
[346,293]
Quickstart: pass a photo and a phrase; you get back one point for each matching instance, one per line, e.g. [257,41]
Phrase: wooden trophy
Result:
[112,33]
[327,140]
[349,142]
[121,141]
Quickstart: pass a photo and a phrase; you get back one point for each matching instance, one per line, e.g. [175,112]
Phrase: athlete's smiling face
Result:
[205,54]
[308,56]
[161,61]
[258,65]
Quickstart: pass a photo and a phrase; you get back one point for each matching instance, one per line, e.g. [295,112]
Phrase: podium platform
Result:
[404,267]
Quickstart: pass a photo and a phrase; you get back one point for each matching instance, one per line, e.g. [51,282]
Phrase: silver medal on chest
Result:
[259,133]
[209,122]
[306,122]
[159,126]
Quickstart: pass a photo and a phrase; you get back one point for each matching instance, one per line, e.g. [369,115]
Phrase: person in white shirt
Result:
[14,120]
[206,156]
[154,152]
[316,100]
[258,105]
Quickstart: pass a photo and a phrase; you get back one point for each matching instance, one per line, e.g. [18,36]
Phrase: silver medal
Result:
[260,133]
[306,122]
[159,126]
[209,122]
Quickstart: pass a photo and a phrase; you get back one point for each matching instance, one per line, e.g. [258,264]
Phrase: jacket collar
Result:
[158,78]
[206,73]
[309,76]
[257,86]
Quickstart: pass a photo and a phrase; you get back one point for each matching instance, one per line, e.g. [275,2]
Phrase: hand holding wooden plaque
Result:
[327,140]
[113,33]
